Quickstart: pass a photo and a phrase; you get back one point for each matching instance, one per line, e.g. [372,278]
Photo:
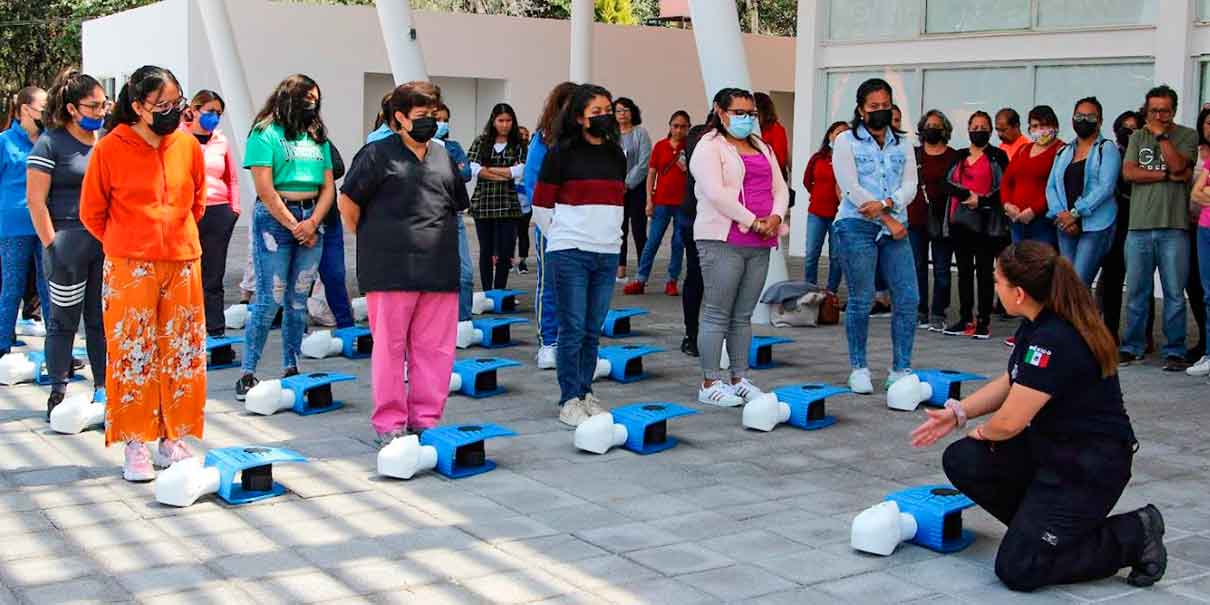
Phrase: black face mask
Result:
[423,129]
[165,123]
[933,136]
[1123,136]
[39,125]
[310,111]
[877,120]
[599,126]
[980,138]
[1085,129]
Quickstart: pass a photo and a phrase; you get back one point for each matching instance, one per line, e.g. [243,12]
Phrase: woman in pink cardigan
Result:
[742,204]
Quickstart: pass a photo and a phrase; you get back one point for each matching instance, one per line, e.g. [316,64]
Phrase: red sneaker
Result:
[634,287]
[670,289]
[970,330]
[1011,341]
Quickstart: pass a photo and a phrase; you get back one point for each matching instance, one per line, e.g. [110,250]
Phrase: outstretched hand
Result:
[939,424]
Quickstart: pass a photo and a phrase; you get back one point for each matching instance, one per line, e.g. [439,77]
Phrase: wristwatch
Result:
[1074,213]
[887,205]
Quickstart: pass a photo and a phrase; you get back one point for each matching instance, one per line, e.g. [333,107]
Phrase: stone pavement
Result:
[728,516]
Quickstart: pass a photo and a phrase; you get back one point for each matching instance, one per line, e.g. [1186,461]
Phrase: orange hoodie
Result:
[142,202]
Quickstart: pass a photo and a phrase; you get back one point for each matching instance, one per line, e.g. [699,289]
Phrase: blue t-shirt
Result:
[14,212]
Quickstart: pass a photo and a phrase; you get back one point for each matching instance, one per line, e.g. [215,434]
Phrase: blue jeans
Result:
[1203,264]
[583,288]
[1147,250]
[332,271]
[548,318]
[15,254]
[1040,230]
[864,255]
[285,271]
[1086,250]
[819,229]
[466,273]
[660,219]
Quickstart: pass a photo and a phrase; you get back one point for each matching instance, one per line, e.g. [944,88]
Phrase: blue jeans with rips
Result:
[583,289]
[866,254]
[285,271]
[818,230]
[660,220]
[1146,251]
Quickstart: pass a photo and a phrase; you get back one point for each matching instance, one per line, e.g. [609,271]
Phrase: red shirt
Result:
[931,180]
[1024,184]
[820,182]
[775,137]
[1012,148]
[670,177]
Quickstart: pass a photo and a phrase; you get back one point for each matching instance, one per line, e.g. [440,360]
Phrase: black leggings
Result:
[975,253]
[497,238]
[73,265]
[635,215]
[691,291]
[214,231]
[523,235]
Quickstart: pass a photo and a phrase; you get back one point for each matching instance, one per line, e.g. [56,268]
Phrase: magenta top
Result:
[976,178]
[756,196]
[1203,220]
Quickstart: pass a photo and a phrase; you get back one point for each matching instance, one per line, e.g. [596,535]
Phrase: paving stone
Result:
[680,559]
[656,506]
[307,587]
[80,590]
[814,566]
[20,523]
[536,500]
[752,545]
[504,530]
[210,595]
[130,557]
[33,545]
[212,522]
[144,583]
[458,565]
[437,594]
[737,582]
[591,574]
[1194,549]
[632,536]
[428,538]
[875,587]
[657,590]
[261,564]
[68,517]
[35,572]
[386,575]
[518,586]
[945,574]
[551,550]
[581,517]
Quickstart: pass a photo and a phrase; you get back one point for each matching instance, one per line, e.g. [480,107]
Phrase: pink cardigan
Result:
[719,174]
[222,175]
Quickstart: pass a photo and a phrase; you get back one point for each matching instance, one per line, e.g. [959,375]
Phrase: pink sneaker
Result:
[138,463]
[170,452]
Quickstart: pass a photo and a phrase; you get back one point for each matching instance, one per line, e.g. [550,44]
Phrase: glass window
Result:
[956,16]
[1204,67]
[1118,87]
[961,92]
[1203,10]
[842,94]
[873,19]
[1093,13]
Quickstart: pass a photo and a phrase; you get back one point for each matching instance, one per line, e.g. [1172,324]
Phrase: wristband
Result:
[955,406]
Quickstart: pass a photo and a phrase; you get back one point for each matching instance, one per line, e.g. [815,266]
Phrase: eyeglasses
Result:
[166,106]
[739,113]
[103,106]
[1159,112]
[1090,118]
[622,110]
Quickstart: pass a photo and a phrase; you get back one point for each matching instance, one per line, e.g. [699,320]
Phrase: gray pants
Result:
[734,277]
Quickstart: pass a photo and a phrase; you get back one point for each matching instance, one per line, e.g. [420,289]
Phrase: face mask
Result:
[1042,135]
[933,136]
[1085,129]
[741,126]
[39,125]
[209,121]
[599,126]
[165,123]
[980,138]
[310,111]
[877,120]
[423,129]
[443,129]
[1123,136]
[88,124]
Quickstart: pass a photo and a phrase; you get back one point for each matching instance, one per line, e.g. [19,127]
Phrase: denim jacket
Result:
[1096,205]
[867,172]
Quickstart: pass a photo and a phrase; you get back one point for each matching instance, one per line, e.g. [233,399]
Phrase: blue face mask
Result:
[443,129]
[88,124]
[209,121]
[741,126]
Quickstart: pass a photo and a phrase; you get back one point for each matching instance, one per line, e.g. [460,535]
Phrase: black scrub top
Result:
[1050,356]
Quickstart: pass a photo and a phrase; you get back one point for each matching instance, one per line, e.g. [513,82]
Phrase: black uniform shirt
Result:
[407,237]
[1050,356]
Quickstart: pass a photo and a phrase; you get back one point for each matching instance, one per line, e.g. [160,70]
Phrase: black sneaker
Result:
[77,364]
[922,321]
[243,385]
[1153,561]
[982,331]
[1126,358]
[522,268]
[880,309]
[52,402]
[1195,353]
[1175,363]
[958,328]
[289,372]
[689,347]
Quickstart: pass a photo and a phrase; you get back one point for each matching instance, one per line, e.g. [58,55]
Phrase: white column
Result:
[583,15]
[216,22]
[399,34]
[720,46]
[1173,65]
[812,17]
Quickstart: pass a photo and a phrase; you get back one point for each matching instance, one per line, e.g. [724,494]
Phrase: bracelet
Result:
[979,432]
[955,406]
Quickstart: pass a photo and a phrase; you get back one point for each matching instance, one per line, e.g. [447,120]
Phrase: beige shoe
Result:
[573,413]
[593,405]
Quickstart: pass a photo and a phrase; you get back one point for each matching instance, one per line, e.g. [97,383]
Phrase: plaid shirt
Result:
[495,199]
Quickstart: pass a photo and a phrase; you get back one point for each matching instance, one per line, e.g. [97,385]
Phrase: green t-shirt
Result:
[297,165]
[1163,205]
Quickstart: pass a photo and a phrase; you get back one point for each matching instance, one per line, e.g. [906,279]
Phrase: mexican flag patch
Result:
[1037,356]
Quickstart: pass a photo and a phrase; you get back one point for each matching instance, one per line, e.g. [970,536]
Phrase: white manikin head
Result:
[880,528]
[76,413]
[268,398]
[184,482]
[361,309]
[403,457]
[604,367]
[907,393]
[236,316]
[481,304]
[765,412]
[598,434]
[468,335]
[15,368]
[320,344]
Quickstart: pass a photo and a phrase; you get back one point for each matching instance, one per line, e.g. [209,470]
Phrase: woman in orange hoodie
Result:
[143,194]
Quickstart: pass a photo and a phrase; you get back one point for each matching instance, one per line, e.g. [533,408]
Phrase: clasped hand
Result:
[767,226]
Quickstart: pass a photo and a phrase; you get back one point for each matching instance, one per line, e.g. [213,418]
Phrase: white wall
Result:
[156,34]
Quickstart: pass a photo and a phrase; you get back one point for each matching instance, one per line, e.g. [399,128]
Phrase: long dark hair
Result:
[722,100]
[488,138]
[548,122]
[144,82]
[24,97]
[1201,130]
[825,146]
[285,108]
[70,87]
[636,114]
[1138,119]
[1050,279]
[866,89]
[570,130]
[766,110]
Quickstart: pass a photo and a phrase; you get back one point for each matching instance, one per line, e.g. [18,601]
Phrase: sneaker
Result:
[573,413]
[634,287]
[592,405]
[1011,342]
[1175,363]
[689,347]
[137,467]
[744,389]
[982,331]
[880,309]
[385,439]
[1126,358]
[77,364]
[1201,368]
[522,268]
[169,452]
[243,385]
[720,394]
[52,402]
[547,358]
[922,321]
[292,371]
[859,381]
[1153,561]
[670,288]
[959,328]
[893,376]
[937,324]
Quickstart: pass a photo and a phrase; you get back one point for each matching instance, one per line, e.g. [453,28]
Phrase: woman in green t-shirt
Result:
[291,164]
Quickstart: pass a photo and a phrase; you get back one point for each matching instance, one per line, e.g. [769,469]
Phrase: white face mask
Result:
[1042,135]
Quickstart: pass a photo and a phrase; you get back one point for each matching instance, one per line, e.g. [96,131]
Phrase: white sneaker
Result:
[1201,368]
[573,413]
[546,357]
[593,406]
[894,376]
[859,381]
[744,389]
[720,394]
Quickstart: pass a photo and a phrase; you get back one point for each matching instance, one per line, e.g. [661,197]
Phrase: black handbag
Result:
[970,219]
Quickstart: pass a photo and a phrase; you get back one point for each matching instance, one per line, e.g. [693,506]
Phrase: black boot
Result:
[689,347]
[1154,559]
[52,402]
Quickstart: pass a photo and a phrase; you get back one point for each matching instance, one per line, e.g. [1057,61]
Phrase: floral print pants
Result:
[156,343]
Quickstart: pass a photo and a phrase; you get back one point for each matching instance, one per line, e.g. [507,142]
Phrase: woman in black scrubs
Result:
[1055,454]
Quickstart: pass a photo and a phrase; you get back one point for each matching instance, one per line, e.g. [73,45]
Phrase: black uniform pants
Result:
[214,231]
[497,239]
[1054,498]
[73,264]
[634,214]
[691,291]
